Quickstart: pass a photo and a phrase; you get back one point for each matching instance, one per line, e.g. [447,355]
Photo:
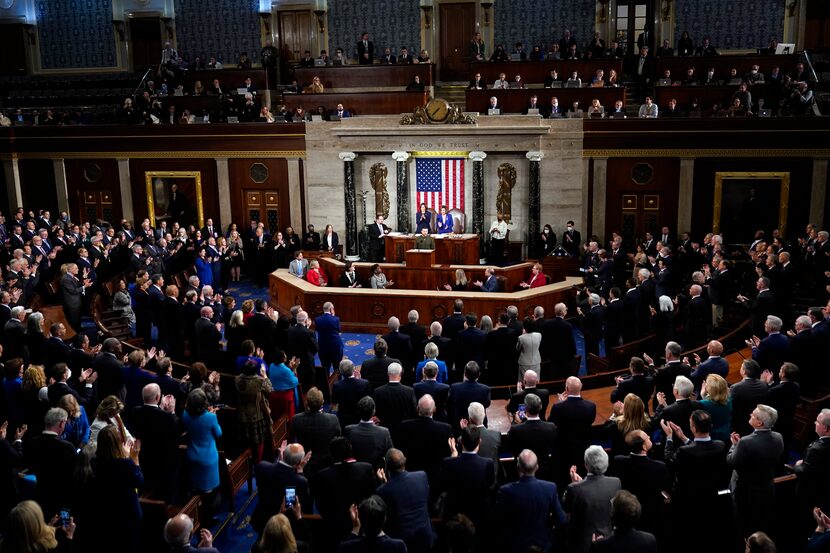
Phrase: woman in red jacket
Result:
[537,278]
[315,274]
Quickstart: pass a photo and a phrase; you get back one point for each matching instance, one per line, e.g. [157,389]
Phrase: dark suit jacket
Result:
[346,393]
[784,397]
[374,370]
[52,460]
[262,330]
[536,435]
[55,351]
[589,504]
[558,343]
[462,394]
[631,315]
[468,480]
[625,541]
[207,341]
[759,309]
[439,392]
[160,433]
[110,376]
[452,325]
[468,345]
[339,486]
[502,356]
[713,365]
[271,480]
[664,379]
[573,418]
[640,385]
[315,431]
[407,517]
[424,442]
[698,316]
[647,479]
[379,544]
[746,395]
[400,347]
[813,486]
[328,335]
[754,460]
[394,403]
[700,471]
[678,413]
[803,351]
[302,343]
[71,288]
[370,442]
[519,398]
[417,336]
[525,508]
[613,323]
[771,352]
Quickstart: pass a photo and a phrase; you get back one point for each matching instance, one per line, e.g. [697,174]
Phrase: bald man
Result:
[424,441]
[714,364]
[698,316]
[644,477]
[177,533]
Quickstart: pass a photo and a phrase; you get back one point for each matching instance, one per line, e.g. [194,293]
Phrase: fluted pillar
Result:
[478,197]
[534,202]
[402,172]
[351,203]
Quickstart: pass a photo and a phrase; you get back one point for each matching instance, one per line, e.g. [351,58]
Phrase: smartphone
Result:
[290,497]
[522,412]
[65,516]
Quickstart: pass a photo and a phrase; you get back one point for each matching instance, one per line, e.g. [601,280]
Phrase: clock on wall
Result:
[437,110]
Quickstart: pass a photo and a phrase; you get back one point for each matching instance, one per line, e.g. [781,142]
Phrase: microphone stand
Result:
[141,82]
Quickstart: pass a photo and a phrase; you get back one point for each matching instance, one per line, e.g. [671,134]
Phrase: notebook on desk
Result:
[664,82]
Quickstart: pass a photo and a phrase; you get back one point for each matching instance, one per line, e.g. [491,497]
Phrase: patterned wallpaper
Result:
[733,24]
[75,33]
[221,28]
[534,22]
[392,24]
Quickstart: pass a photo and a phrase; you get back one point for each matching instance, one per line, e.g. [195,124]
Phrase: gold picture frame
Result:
[158,186]
[750,179]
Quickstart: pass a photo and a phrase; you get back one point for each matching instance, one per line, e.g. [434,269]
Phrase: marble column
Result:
[534,202]
[60,185]
[295,196]
[685,195]
[818,193]
[224,181]
[403,191]
[478,197]
[351,205]
[13,188]
[600,193]
[126,190]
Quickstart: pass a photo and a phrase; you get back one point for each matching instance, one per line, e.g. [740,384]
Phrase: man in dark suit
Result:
[367,530]
[347,392]
[644,477]
[784,397]
[476,83]
[81,388]
[721,288]
[273,478]
[813,487]
[395,402]
[468,344]
[468,479]
[444,344]
[697,316]
[592,324]
[52,460]
[370,441]
[754,459]
[159,430]
[438,390]
[375,369]
[639,383]
[535,434]
[55,350]
[73,291]
[747,394]
[454,323]
[573,417]
[336,488]
[377,232]
[465,392]
[558,345]
[407,495]
[315,429]
[683,406]
[365,50]
[631,314]
[772,350]
[400,346]
[424,441]
[526,507]
[761,307]
[665,375]
[714,364]
[417,336]
[262,328]
[328,338]
[302,344]
[626,512]
[528,386]
[588,500]
[107,364]
[613,319]
[208,336]
[500,353]
[803,350]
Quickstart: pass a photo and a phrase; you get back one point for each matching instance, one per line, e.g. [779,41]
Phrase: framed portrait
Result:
[175,197]
[747,201]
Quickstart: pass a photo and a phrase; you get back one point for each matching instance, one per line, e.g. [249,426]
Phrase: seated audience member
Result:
[501,82]
[415,85]
[388,58]
[244,62]
[575,111]
[706,49]
[476,83]
[554,111]
[537,277]
[340,112]
[596,108]
[307,60]
[671,110]
[648,110]
[517,82]
[423,57]
[316,86]
[265,115]
[404,58]
[552,78]
[315,274]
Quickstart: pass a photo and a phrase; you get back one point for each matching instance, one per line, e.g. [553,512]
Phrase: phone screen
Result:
[65,515]
[523,411]
[290,497]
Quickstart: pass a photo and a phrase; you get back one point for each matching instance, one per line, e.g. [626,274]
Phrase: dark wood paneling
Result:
[517,100]
[535,72]
[230,79]
[360,103]
[447,250]
[800,170]
[207,168]
[722,65]
[350,76]
[277,181]
[37,182]
[83,175]
[707,96]
[457,22]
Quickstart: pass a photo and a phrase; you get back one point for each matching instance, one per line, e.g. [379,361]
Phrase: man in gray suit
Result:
[588,501]
[73,291]
[490,439]
[753,459]
[370,442]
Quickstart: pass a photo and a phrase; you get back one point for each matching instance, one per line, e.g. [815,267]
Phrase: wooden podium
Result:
[419,259]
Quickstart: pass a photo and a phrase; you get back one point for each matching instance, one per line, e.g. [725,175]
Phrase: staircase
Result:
[452,91]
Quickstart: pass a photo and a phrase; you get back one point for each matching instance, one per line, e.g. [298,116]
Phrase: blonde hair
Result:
[277,536]
[25,531]
[634,415]
[460,277]
[717,389]
[69,404]
[109,410]
[247,306]
[110,445]
[34,378]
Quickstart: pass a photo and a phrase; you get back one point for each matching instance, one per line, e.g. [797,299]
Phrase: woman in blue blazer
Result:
[202,432]
[423,219]
[443,222]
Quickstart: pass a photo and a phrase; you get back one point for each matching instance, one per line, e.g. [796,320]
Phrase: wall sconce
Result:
[266,22]
[792,7]
[486,7]
[168,26]
[120,28]
[427,16]
[603,11]
[666,10]
[320,22]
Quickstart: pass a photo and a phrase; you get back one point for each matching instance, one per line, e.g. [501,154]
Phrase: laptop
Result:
[533,111]
[515,57]
[557,115]
[494,111]
[233,119]
[736,81]
[315,117]
[242,91]
[618,115]
[318,62]
[572,84]
[664,82]
[556,84]
[334,117]
[596,116]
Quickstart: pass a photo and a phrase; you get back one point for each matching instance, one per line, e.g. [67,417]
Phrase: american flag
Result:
[440,182]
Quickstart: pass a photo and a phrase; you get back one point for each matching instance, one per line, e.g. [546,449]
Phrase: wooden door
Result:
[457,24]
[94,204]
[639,213]
[632,18]
[296,35]
[817,26]
[263,206]
[13,45]
[145,42]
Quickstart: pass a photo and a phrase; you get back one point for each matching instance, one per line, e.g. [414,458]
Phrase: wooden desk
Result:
[707,96]
[369,76]
[420,259]
[557,268]
[448,251]
[517,100]
[535,72]
[367,310]
[360,103]
[722,65]
[230,79]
